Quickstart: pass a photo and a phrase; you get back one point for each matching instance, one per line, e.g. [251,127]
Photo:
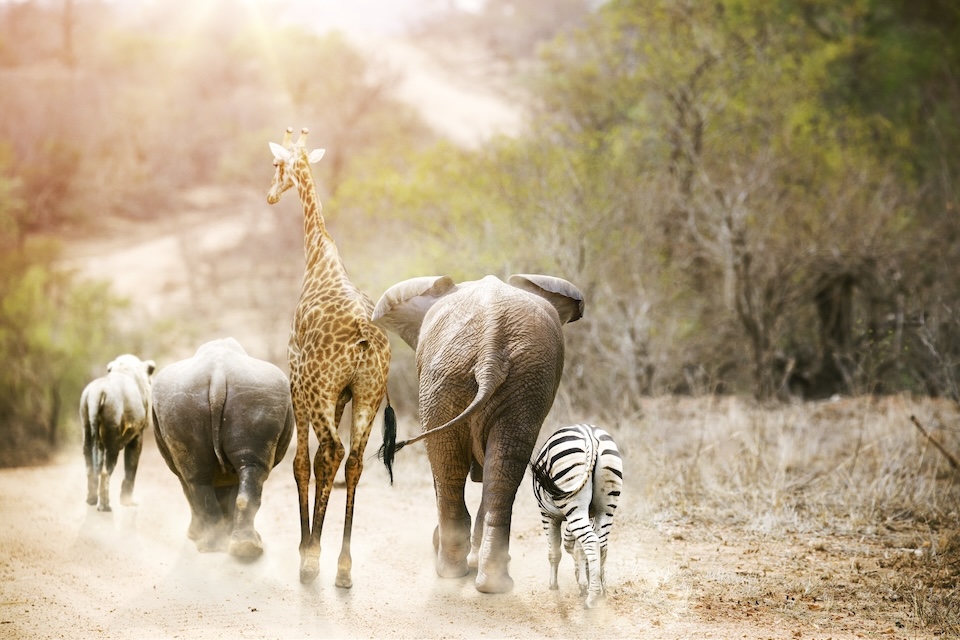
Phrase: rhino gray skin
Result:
[114,411]
[223,420]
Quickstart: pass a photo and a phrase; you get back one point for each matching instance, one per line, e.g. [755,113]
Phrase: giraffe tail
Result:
[389,447]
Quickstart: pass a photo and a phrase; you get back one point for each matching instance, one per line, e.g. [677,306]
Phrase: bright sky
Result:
[363,17]
[371,16]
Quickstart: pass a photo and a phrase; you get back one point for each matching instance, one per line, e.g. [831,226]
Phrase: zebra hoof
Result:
[594,600]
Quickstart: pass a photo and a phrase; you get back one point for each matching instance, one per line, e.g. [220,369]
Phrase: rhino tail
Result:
[218,400]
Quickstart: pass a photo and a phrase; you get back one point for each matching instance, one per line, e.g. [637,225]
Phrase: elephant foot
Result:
[452,569]
[452,550]
[245,545]
[494,581]
[492,574]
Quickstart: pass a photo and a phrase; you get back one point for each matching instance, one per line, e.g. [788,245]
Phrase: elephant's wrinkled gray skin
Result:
[114,411]
[489,360]
[223,420]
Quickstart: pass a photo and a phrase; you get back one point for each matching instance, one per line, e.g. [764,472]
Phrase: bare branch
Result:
[949,456]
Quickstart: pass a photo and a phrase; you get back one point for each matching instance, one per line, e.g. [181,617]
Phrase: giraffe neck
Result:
[318,245]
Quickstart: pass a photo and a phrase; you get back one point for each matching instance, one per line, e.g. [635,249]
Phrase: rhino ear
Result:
[563,295]
[402,307]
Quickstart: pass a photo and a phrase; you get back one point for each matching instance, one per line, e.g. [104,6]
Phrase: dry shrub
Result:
[849,471]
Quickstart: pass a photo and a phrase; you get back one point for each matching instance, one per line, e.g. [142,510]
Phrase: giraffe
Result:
[336,355]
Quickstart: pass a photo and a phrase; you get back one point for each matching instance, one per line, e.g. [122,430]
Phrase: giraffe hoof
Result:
[309,570]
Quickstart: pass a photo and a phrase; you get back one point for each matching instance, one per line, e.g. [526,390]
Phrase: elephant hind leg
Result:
[452,543]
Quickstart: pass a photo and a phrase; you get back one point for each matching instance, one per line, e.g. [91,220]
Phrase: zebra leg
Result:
[587,555]
[579,566]
[552,527]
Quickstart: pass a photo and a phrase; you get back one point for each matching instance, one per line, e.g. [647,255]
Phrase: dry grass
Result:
[863,508]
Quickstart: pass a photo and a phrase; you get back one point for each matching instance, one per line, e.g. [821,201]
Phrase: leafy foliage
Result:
[55,335]
[755,197]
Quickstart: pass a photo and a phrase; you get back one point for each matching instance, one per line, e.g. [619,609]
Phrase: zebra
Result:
[577,478]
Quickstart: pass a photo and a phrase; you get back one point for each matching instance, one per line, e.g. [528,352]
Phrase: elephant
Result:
[223,420]
[114,411]
[489,359]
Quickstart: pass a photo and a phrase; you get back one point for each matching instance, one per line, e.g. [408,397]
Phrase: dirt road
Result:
[69,571]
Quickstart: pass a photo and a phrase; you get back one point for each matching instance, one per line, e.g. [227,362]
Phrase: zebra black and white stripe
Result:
[577,479]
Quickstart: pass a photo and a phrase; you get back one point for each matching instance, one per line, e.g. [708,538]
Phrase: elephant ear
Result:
[563,295]
[402,307]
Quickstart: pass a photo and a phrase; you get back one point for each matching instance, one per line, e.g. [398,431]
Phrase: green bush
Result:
[56,333]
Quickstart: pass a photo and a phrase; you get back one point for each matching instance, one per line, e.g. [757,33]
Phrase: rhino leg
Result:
[245,542]
[206,524]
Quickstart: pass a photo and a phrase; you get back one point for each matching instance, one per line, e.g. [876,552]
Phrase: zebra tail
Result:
[542,477]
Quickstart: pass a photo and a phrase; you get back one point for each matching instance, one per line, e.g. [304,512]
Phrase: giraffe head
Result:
[291,160]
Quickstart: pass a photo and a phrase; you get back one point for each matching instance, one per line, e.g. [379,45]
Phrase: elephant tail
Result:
[217,396]
[490,374]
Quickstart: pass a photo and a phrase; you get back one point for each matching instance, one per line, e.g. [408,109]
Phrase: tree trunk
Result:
[834,301]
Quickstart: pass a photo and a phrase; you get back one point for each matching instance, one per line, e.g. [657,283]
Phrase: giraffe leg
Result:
[325,464]
[363,418]
[309,557]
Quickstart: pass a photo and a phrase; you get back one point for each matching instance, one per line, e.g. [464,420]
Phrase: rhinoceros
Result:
[223,420]
[114,411]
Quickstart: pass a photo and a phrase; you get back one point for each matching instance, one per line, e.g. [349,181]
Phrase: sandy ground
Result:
[68,571]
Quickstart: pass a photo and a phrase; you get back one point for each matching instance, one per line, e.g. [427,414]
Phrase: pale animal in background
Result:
[577,479]
[114,411]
